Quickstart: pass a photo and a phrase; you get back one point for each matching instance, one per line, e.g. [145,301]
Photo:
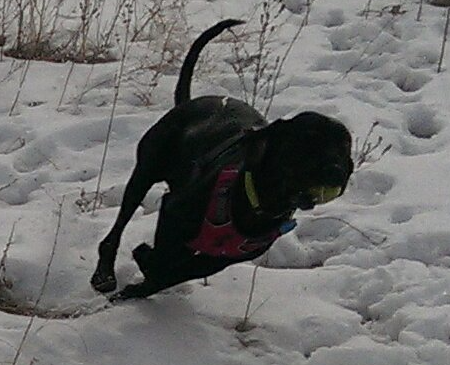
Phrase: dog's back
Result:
[200,126]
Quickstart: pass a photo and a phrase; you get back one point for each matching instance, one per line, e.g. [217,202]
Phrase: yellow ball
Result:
[324,194]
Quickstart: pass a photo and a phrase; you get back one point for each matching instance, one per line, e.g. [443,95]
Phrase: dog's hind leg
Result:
[168,274]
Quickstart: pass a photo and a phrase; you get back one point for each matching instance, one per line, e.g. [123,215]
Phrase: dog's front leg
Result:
[104,279]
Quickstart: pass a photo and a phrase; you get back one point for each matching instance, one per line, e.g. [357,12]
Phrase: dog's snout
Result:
[334,175]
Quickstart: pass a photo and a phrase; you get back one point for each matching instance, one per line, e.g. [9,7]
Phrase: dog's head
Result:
[300,162]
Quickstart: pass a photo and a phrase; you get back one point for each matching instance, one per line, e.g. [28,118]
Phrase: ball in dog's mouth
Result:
[324,194]
[314,196]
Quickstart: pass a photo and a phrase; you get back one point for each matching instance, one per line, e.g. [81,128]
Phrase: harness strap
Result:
[218,237]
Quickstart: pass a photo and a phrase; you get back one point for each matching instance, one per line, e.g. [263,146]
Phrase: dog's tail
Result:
[183,89]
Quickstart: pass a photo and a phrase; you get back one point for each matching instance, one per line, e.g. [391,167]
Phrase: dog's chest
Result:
[218,236]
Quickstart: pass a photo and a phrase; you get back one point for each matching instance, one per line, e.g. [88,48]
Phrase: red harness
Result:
[218,236]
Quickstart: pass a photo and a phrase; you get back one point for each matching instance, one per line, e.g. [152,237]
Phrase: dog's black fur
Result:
[189,146]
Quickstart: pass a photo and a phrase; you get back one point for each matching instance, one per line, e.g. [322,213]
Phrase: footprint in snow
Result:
[423,129]
[421,121]
[402,214]
[369,187]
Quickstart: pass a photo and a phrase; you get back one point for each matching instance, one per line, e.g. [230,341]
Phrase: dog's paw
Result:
[103,282]
[118,297]
[140,290]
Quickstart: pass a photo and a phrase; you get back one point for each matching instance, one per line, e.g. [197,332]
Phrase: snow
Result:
[363,280]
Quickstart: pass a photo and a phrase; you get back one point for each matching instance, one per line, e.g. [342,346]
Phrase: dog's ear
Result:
[255,144]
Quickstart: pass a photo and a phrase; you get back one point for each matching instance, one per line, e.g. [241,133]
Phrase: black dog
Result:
[235,181]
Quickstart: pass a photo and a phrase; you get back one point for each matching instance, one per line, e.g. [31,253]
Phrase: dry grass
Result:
[371,149]
[82,32]
[259,69]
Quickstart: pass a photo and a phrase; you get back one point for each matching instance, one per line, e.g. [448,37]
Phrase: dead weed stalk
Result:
[365,151]
[4,281]
[44,284]
[117,83]
[261,64]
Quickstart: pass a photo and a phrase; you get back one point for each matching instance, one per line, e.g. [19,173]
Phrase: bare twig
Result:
[14,67]
[363,55]
[419,12]
[265,68]
[157,69]
[444,41]
[8,185]
[6,283]
[259,306]
[108,34]
[149,17]
[118,80]
[21,82]
[361,232]
[260,61]
[44,284]
[367,9]
[284,58]
[365,152]
[242,326]
[66,82]
[81,95]
[89,9]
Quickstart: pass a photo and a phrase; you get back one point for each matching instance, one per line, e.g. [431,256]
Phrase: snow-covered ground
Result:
[363,280]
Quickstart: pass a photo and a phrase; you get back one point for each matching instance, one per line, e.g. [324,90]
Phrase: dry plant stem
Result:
[363,53]
[151,14]
[15,66]
[262,57]
[110,32]
[6,5]
[419,12]
[363,153]
[237,68]
[308,10]
[20,20]
[283,59]
[444,41]
[157,69]
[56,9]
[367,10]
[361,232]
[88,10]
[5,255]
[243,324]
[367,147]
[5,21]
[78,102]
[260,63]
[99,17]
[66,82]
[8,185]
[22,81]
[259,306]
[113,109]
[44,284]
[41,22]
